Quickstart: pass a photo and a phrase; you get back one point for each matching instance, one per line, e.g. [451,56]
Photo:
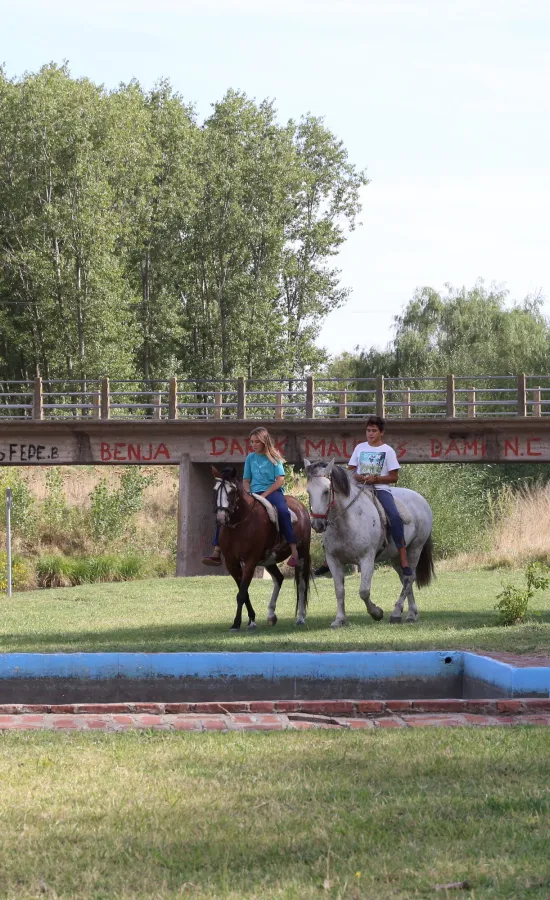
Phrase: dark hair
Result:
[377,421]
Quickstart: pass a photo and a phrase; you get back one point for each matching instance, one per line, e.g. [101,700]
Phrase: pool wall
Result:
[111,677]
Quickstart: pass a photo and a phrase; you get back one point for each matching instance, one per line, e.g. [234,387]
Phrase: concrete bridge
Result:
[431,424]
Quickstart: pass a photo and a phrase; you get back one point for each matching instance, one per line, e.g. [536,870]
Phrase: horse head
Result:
[320,489]
[226,493]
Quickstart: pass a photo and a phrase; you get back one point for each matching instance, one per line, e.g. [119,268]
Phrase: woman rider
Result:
[264,474]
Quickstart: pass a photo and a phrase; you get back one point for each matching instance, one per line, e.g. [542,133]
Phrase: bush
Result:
[112,510]
[54,511]
[23,516]
[19,573]
[130,567]
[51,571]
[513,601]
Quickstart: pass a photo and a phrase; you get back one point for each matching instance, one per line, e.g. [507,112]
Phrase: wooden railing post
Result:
[96,404]
[310,397]
[522,398]
[406,404]
[451,408]
[157,405]
[105,399]
[217,404]
[173,399]
[472,403]
[537,401]
[380,397]
[343,405]
[279,411]
[241,398]
[37,399]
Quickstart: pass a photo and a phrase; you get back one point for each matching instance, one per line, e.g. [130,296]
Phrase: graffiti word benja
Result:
[121,452]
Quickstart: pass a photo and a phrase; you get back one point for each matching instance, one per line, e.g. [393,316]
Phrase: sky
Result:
[445,103]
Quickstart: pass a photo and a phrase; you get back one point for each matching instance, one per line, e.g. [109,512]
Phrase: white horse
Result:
[353,534]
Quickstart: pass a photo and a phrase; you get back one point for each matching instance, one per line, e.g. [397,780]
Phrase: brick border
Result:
[340,708]
[273,715]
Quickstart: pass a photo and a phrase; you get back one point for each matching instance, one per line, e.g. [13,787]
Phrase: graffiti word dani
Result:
[28,453]
[121,452]
[220,446]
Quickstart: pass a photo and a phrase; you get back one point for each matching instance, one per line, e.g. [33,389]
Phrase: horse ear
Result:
[330,467]
[307,463]
[215,472]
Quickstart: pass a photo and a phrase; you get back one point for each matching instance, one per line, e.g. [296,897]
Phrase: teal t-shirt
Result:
[261,472]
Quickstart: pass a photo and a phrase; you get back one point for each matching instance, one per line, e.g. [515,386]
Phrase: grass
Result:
[281,815]
[456,612]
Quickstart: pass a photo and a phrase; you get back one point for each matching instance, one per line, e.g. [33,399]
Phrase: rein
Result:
[332,502]
[231,509]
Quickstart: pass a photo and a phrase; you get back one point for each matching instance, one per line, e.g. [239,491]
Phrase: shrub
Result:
[19,573]
[23,516]
[112,510]
[51,571]
[513,601]
[54,506]
[130,567]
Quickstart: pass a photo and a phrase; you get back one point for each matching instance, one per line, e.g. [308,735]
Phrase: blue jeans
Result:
[394,519]
[277,499]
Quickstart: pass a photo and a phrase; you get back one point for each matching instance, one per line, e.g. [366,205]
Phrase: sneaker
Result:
[211,560]
[322,570]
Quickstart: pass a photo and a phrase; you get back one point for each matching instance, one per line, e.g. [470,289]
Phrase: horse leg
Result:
[406,592]
[278,579]
[338,574]
[367,568]
[243,597]
[234,568]
[414,555]
[302,589]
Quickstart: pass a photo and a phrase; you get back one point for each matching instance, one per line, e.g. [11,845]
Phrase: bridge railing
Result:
[439,397]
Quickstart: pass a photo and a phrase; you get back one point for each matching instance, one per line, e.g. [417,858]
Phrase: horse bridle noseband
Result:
[332,502]
[231,506]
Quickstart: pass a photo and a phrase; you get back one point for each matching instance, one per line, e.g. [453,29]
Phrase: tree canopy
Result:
[138,243]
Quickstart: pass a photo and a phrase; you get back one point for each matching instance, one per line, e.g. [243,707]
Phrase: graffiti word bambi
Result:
[120,452]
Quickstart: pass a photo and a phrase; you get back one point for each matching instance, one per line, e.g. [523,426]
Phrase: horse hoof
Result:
[300,621]
[236,628]
[338,623]
[272,620]
[412,619]
[395,620]
[378,614]
[251,626]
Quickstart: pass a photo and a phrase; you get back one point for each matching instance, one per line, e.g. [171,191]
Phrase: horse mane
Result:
[340,477]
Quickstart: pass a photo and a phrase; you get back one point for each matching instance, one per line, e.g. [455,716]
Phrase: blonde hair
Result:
[270,449]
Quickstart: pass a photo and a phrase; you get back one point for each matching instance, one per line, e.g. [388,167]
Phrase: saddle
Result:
[272,512]
[403,511]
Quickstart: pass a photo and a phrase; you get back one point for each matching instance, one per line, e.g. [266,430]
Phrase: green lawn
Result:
[194,614]
[371,815]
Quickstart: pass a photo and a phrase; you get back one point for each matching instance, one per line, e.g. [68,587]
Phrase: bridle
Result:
[332,502]
[232,502]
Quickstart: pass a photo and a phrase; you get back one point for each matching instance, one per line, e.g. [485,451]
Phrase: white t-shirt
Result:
[374,461]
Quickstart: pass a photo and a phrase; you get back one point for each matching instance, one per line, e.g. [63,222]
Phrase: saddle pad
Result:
[403,511]
[272,512]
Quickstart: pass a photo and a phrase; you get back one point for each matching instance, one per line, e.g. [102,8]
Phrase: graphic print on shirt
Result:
[371,462]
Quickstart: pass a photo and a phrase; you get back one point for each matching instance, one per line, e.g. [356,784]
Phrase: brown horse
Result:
[248,539]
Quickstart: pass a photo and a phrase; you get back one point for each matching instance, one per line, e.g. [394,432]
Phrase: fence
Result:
[447,397]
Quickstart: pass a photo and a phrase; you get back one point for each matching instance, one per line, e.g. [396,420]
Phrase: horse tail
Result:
[303,571]
[425,570]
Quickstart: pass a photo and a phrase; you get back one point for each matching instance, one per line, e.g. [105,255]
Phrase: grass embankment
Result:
[456,612]
[281,815]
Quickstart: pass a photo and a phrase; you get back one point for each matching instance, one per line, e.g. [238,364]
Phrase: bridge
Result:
[429,420]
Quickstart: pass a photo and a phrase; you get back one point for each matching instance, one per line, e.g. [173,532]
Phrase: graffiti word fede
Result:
[120,452]
[221,446]
[28,453]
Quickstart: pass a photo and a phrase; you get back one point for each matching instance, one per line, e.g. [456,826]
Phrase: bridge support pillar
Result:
[196,521]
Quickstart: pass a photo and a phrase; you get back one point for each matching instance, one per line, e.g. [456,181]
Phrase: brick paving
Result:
[274,715]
